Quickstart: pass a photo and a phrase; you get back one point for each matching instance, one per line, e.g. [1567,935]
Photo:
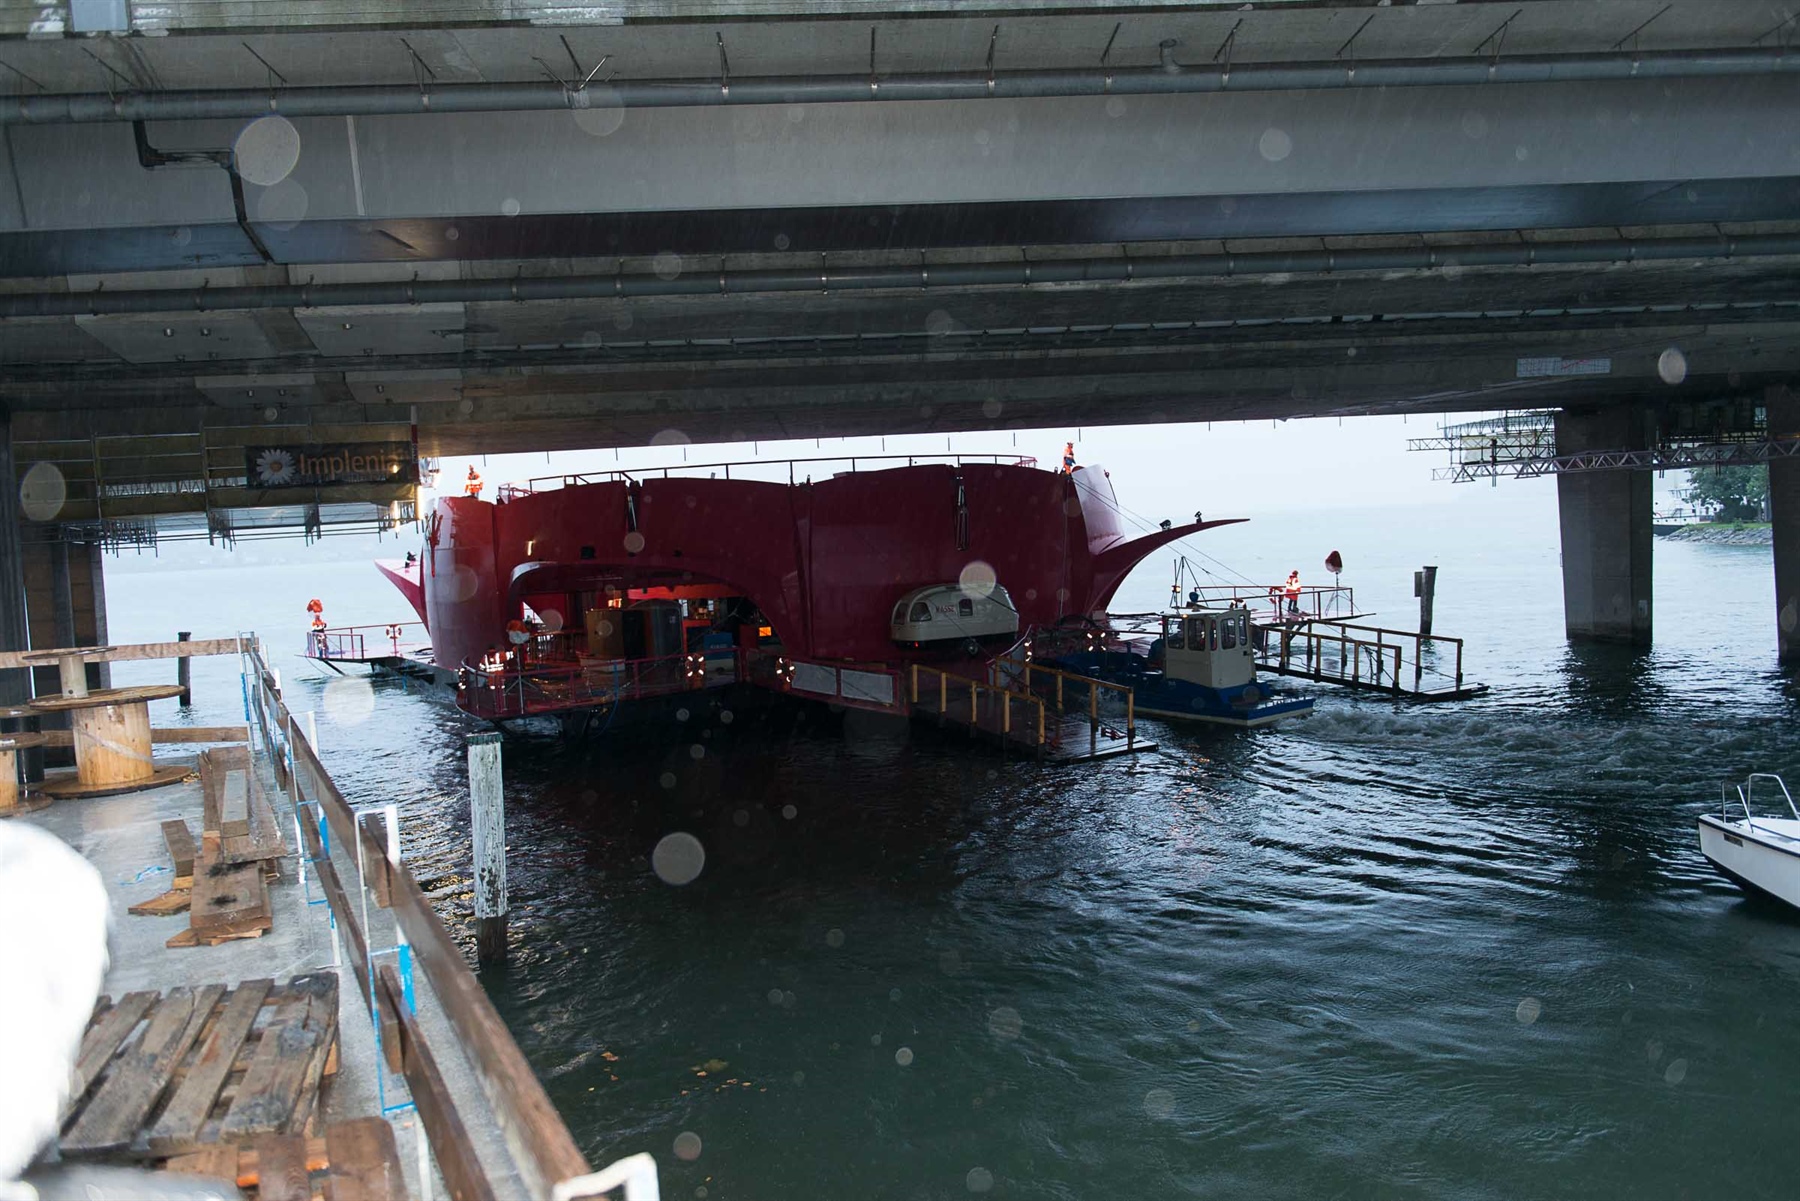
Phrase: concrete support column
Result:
[1784,514]
[15,683]
[1606,529]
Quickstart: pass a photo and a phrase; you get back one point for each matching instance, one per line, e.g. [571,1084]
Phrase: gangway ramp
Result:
[1400,663]
[1020,716]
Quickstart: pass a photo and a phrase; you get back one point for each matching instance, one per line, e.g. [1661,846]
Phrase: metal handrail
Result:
[976,688]
[1747,793]
[545,483]
[535,1132]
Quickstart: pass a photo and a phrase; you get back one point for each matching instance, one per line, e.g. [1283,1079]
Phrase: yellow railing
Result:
[1029,673]
[934,689]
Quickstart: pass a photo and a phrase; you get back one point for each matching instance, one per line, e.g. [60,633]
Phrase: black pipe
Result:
[1117,269]
[1172,79]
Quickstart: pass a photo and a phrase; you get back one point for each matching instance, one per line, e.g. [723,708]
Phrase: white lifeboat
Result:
[945,613]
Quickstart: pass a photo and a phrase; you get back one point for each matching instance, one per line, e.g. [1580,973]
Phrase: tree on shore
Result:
[1729,493]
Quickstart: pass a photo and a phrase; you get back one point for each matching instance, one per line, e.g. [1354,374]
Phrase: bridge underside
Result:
[1181,233]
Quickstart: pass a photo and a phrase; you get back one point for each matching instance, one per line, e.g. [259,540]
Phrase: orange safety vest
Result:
[1069,458]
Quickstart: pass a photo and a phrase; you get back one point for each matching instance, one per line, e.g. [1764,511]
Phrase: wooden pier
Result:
[1400,663]
[223,1049]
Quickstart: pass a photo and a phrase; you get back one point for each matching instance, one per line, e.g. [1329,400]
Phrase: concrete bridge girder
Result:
[937,152]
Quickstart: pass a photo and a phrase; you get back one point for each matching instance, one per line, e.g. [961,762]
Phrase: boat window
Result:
[921,611]
[965,607]
[1228,634]
[899,612]
[1212,635]
[1244,629]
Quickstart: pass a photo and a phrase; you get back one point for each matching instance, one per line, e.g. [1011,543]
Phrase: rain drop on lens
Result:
[687,1146]
[1671,366]
[266,150]
[678,859]
[42,492]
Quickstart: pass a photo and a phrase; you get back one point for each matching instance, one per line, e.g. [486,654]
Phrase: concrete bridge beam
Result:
[1607,534]
[1784,511]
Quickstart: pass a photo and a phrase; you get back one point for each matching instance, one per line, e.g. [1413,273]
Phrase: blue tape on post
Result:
[406,977]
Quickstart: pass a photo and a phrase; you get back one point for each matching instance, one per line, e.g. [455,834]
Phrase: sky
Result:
[1235,469]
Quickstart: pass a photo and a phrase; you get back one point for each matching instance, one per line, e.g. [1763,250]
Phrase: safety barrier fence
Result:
[550,1164]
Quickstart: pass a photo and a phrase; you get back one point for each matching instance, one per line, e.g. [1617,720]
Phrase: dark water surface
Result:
[1462,951]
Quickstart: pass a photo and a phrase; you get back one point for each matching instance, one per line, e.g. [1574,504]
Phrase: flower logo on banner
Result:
[275,467]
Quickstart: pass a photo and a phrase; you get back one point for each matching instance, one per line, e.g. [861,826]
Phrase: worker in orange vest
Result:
[1293,592]
[1069,459]
[472,485]
[317,609]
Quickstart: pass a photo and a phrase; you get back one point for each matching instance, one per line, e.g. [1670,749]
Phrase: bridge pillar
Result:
[1606,529]
[1783,410]
[65,605]
[15,683]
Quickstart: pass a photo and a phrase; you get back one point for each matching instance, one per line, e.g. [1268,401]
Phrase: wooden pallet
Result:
[356,1160]
[210,1065]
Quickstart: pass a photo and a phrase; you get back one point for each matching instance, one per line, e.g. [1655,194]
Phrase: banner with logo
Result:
[325,466]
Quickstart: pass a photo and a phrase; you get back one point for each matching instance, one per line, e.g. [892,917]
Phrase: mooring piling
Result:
[1425,588]
[181,670]
[487,823]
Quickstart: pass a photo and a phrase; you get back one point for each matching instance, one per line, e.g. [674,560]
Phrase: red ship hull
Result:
[823,562]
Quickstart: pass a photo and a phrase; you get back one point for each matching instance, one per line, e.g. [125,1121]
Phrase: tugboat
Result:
[1202,668]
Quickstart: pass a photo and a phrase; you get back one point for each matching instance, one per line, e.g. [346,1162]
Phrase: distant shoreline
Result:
[1723,534]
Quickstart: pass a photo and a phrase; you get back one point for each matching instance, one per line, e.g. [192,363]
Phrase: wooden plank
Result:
[234,804]
[136,1082]
[190,734]
[167,904]
[365,1161]
[217,1161]
[180,841]
[211,783]
[123,654]
[227,894]
[168,735]
[103,1038]
[281,1168]
[463,1174]
[179,1125]
[269,1094]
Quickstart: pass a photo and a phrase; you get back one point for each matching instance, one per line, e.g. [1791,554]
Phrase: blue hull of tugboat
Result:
[1246,706]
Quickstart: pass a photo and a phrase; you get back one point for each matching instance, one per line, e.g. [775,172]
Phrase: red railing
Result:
[352,643]
[500,688]
[546,483]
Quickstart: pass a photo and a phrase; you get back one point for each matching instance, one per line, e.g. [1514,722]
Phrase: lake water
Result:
[1463,951]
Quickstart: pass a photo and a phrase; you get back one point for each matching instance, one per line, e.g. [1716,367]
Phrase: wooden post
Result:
[1131,719]
[1425,588]
[943,693]
[1005,715]
[487,822]
[181,671]
[1093,705]
[1059,691]
[915,683]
